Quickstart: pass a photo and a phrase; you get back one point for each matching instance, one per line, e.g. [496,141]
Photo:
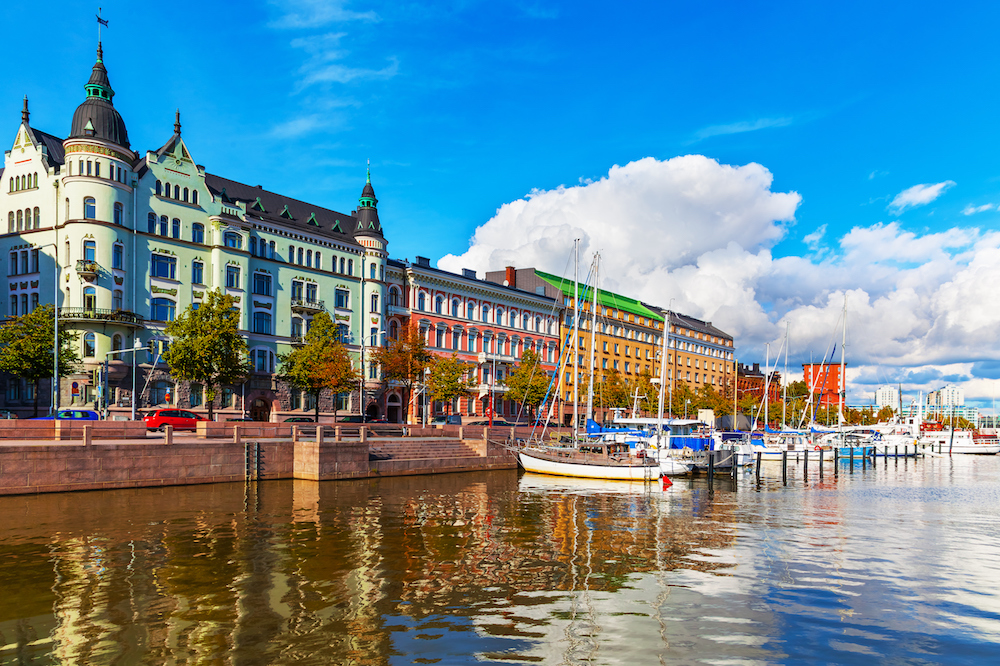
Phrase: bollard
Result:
[906,451]
[461,432]
[852,460]
[759,456]
[733,460]
[711,469]
[805,463]
[336,433]
[319,435]
[295,434]
[784,468]
[363,432]
[87,435]
[236,434]
[821,464]
[168,435]
[864,458]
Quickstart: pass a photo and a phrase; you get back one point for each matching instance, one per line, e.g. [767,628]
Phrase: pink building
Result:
[485,324]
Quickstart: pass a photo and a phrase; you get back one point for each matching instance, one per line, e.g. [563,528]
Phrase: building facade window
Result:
[117,256]
[262,323]
[233,277]
[233,240]
[198,233]
[262,284]
[89,345]
[175,228]
[116,299]
[164,266]
[342,299]
[90,208]
[119,214]
[162,309]
[197,272]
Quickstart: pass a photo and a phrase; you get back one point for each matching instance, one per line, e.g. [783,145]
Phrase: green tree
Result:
[798,389]
[529,383]
[26,348]
[321,363]
[613,390]
[885,414]
[449,379]
[404,360]
[649,393]
[206,346]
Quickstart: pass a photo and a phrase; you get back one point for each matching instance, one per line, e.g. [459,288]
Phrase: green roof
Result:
[608,299]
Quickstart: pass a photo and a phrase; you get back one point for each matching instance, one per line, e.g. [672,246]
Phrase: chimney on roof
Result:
[260,187]
[469,273]
[423,261]
[511,277]
[756,368]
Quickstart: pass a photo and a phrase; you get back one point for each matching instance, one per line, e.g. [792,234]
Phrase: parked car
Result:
[180,419]
[7,414]
[449,419]
[240,418]
[72,415]
[300,419]
[497,423]
[351,418]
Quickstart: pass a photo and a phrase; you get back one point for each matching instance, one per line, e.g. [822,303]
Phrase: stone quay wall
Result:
[96,456]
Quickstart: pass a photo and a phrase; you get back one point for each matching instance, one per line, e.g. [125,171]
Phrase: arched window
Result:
[524,322]
[197,232]
[89,250]
[38,220]
[319,261]
[374,302]
[421,301]
[309,258]
[163,225]
[119,213]
[89,345]
[117,256]
[90,208]
[166,190]
[253,246]
[454,308]
[300,256]
[343,333]
[439,305]
[116,342]
[291,254]
[394,296]
[177,191]
[185,194]
[341,264]
[486,313]
[159,188]
[194,196]
[499,317]
[262,322]
[36,180]
[372,271]
[394,330]
[151,222]
[10,222]
[89,298]
[116,299]
[233,240]
[20,220]
[350,267]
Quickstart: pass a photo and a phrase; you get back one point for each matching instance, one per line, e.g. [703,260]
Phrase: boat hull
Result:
[541,463]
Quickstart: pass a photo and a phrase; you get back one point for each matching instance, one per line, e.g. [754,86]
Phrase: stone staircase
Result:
[419,449]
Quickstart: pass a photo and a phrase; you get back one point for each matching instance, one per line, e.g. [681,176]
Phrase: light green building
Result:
[126,241]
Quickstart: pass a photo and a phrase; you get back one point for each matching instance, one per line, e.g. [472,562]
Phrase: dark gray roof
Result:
[53,146]
[396,263]
[277,208]
[692,324]
[107,122]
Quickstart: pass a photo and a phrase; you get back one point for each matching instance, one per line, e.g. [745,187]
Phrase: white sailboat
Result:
[599,459]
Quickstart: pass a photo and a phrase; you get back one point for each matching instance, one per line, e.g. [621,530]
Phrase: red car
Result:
[180,419]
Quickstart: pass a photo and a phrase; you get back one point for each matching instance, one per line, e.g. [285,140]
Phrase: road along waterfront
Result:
[894,563]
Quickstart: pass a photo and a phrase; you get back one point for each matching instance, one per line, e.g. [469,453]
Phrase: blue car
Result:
[73,415]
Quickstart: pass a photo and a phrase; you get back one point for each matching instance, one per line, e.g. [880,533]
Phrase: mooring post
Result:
[336,433]
[864,458]
[821,464]
[711,469]
[319,435]
[805,463]
[363,433]
[760,455]
[784,468]
[852,460]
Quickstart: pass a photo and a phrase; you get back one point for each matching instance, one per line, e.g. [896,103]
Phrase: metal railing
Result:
[85,266]
[306,304]
[96,314]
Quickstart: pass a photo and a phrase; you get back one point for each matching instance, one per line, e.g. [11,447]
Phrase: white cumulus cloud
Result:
[921,306]
[972,210]
[918,195]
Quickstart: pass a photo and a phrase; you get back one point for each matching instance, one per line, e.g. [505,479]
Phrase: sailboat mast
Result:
[767,379]
[593,339]
[575,346]
[663,383]
[784,382]
[843,376]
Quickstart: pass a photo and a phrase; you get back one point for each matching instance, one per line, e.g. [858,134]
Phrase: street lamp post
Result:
[686,403]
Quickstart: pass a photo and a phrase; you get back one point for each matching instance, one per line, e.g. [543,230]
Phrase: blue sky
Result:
[464,107]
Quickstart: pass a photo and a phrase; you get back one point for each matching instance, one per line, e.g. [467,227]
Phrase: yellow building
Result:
[698,353]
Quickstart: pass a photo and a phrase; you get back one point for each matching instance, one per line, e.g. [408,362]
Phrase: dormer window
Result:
[233,240]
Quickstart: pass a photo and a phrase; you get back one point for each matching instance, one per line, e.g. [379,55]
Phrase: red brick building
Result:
[823,379]
[751,380]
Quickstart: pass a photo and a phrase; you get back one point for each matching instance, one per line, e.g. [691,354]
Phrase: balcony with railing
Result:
[87,269]
[96,314]
[306,305]
[297,340]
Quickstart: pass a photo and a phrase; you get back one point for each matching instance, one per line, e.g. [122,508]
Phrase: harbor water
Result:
[898,563]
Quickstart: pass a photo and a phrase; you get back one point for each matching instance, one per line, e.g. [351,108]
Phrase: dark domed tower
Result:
[368,233]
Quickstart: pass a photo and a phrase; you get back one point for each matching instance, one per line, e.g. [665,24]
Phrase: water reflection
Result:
[892,563]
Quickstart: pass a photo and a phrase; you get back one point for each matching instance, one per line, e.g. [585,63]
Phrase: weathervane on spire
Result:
[369,170]
[100,22]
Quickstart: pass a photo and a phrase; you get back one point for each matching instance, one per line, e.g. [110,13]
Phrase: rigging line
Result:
[812,388]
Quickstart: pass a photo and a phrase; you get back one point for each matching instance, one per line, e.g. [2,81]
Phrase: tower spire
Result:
[24,112]
[177,123]
[369,170]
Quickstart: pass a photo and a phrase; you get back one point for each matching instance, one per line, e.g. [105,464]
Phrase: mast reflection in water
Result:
[893,564]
